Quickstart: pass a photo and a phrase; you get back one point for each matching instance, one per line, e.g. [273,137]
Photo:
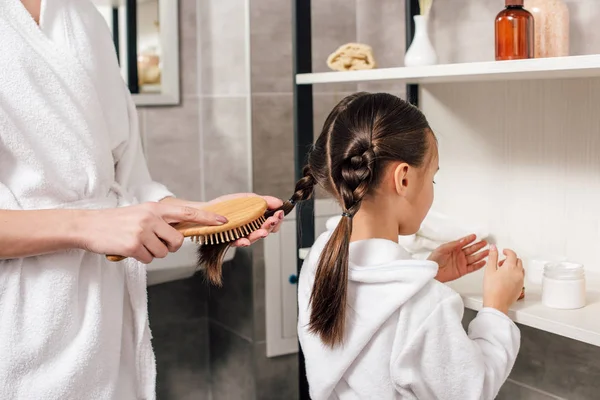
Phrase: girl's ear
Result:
[401,179]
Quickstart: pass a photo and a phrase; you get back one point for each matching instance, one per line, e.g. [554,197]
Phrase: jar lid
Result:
[514,3]
[564,271]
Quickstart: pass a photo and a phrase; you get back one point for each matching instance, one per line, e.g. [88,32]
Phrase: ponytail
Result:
[330,290]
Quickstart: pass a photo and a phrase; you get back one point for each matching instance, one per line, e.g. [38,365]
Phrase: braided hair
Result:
[362,134]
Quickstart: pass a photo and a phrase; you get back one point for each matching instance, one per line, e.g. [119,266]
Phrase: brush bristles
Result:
[231,235]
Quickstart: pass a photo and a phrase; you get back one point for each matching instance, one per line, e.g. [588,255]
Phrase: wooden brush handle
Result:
[115,258]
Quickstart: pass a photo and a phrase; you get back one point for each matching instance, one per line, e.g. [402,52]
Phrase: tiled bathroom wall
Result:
[201,150]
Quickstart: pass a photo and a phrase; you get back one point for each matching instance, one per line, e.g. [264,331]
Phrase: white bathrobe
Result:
[72,324]
[404,337]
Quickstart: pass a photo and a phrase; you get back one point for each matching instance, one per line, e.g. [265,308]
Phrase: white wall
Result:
[522,158]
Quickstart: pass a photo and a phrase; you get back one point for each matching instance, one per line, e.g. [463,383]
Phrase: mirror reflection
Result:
[140,40]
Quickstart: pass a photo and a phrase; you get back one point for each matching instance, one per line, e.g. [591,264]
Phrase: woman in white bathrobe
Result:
[74,186]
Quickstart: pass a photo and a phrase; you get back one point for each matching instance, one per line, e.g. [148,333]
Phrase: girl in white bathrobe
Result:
[374,323]
[74,186]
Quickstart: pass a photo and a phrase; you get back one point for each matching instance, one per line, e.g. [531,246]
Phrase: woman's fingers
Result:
[156,247]
[170,236]
[143,255]
[279,215]
[243,242]
[257,235]
[171,213]
[273,203]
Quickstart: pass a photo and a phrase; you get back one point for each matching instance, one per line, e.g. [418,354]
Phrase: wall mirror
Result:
[146,37]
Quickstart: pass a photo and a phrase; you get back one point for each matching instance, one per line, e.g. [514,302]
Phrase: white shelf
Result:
[540,68]
[582,325]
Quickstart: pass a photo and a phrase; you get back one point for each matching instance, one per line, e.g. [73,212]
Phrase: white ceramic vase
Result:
[421,51]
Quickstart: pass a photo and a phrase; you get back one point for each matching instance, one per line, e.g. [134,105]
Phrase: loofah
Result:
[352,57]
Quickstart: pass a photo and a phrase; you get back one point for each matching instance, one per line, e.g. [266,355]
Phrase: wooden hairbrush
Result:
[244,215]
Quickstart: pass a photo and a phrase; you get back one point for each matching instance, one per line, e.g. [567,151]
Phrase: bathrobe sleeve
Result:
[131,170]
[443,362]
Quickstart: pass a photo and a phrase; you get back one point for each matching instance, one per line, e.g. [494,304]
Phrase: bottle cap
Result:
[514,3]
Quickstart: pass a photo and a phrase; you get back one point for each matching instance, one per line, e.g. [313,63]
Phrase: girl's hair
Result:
[362,134]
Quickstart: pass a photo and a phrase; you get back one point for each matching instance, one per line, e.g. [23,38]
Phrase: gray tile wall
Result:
[201,150]
[179,323]
[551,367]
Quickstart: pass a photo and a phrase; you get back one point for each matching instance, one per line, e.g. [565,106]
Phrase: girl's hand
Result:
[271,225]
[141,231]
[459,258]
[503,282]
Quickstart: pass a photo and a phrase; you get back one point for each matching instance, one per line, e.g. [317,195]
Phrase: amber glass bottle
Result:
[515,38]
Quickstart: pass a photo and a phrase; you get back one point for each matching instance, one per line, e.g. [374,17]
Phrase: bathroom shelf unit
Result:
[582,325]
[541,68]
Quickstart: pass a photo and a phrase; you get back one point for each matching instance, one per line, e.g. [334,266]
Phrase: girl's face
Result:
[415,190]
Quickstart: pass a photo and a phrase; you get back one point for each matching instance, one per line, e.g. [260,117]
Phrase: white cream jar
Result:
[563,286]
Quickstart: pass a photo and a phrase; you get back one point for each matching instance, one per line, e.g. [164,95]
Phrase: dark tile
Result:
[272,144]
[554,364]
[271,44]
[572,369]
[514,391]
[231,364]
[276,377]
[231,305]
[182,356]
[530,367]
[173,147]
[226,145]
[333,24]
[178,301]
[188,47]
[381,25]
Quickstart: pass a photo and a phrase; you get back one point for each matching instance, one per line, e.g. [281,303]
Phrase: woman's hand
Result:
[141,231]
[271,225]
[503,282]
[458,258]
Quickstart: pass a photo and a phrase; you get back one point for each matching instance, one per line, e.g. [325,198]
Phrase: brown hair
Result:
[362,134]
[211,257]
